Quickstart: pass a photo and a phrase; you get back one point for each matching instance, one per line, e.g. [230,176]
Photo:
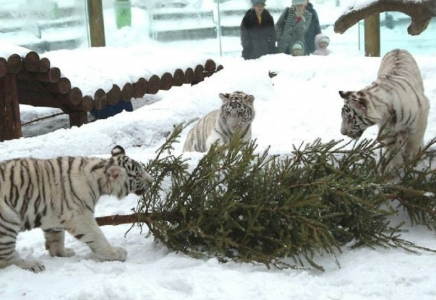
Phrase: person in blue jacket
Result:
[111,110]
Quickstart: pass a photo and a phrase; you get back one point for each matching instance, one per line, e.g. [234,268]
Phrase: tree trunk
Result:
[119,219]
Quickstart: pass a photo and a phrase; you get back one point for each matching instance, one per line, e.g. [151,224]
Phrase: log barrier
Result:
[32,80]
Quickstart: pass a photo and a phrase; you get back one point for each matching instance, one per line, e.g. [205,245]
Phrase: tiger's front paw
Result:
[115,253]
[33,266]
[61,252]
[68,252]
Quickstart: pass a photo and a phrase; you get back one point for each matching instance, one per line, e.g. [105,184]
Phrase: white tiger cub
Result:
[60,194]
[394,101]
[235,115]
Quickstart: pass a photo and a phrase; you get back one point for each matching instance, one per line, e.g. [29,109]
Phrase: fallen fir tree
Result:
[239,204]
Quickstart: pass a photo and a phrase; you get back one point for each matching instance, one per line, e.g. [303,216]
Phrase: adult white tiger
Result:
[395,101]
[235,115]
[60,194]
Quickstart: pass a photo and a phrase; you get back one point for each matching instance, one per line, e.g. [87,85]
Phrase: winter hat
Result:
[321,38]
[297,46]
[324,39]
[298,2]
[255,2]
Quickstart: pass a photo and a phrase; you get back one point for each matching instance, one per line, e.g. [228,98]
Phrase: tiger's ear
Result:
[359,104]
[114,173]
[249,99]
[118,150]
[344,95]
[225,97]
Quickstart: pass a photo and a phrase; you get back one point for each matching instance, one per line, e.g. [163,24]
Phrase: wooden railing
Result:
[31,80]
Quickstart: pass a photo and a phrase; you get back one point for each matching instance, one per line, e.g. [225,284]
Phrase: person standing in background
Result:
[258,35]
[313,29]
[292,26]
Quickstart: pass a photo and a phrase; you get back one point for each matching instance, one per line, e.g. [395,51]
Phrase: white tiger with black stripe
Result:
[235,115]
[60,194]
[395,101]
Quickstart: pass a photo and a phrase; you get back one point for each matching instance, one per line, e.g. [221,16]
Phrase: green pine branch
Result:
[284,211]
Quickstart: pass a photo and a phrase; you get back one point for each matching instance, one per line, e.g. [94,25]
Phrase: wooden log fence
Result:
[31,80]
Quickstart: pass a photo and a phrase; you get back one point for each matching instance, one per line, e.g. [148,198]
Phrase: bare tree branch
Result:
[139,218]
[122,219]
[43,118]
[421,14]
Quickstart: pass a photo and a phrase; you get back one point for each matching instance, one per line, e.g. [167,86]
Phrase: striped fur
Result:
[395,101]
[60,194]
[235,115]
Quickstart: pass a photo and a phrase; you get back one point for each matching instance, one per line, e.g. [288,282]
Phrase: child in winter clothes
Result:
[321,43]
[297,49]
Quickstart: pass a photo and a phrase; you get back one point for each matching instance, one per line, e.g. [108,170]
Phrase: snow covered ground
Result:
[299,105]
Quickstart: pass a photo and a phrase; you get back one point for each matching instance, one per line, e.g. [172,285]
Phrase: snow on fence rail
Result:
[32,80]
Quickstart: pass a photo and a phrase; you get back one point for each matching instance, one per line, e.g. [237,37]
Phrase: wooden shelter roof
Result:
[30,79]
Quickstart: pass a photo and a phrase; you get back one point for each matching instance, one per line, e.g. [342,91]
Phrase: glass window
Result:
[208,26]
[43,25]
[393,34]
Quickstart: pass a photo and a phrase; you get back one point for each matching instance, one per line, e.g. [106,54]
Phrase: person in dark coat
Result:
[258,36]
[312,31]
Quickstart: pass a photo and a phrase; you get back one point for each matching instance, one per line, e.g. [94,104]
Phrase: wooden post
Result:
[372,36]
[96,23]
[78,118]
[10,122]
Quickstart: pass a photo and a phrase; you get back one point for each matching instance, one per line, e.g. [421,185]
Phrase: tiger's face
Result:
[137,180]
[354,120]
[237,110]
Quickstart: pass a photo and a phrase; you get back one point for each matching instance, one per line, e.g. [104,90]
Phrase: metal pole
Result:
[219,26]
[88,34]
[372,36]
[358,36]
[96,23]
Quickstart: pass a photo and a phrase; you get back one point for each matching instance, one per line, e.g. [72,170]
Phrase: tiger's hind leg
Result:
[392,152]
[55,243]
[415,141]
[9,229]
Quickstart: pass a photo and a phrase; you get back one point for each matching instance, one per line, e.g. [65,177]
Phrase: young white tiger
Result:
[60,194]
[395,101]
[235,115]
